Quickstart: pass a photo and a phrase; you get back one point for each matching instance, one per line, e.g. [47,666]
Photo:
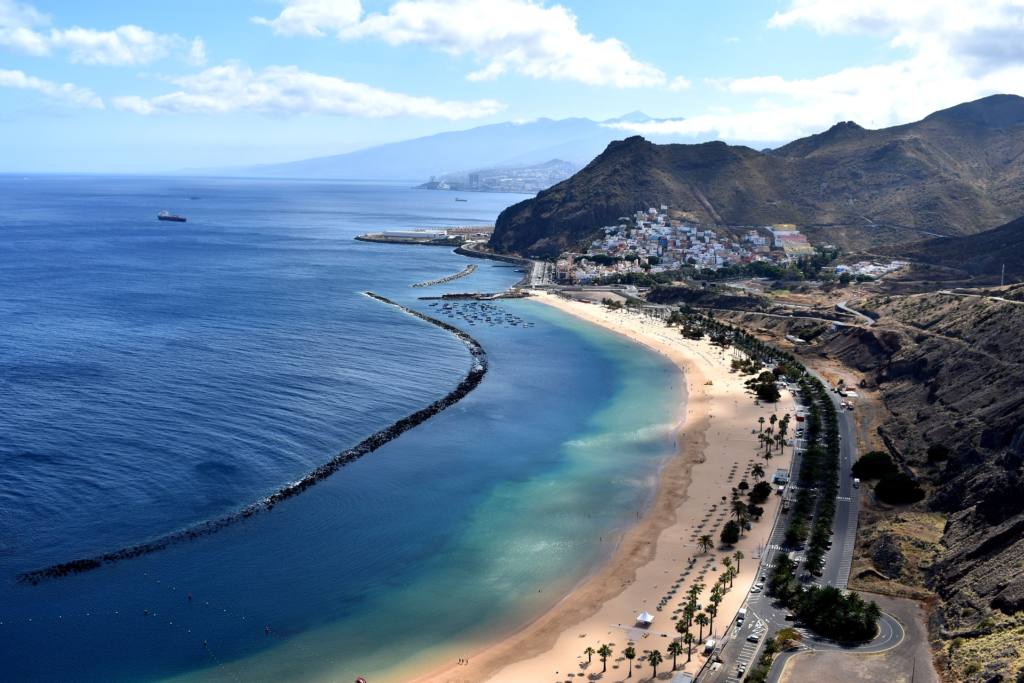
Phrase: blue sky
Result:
[150,87]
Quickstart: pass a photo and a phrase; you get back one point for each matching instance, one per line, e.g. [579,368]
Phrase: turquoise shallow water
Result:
[152,380]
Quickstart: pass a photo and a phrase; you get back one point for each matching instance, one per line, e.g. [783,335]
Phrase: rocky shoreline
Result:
[366,446]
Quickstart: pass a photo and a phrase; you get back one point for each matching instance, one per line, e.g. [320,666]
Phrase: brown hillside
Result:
[957,172]
[983,254]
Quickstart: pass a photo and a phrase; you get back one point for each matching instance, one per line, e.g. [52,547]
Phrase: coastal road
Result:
[844,526]
[764,615]
[890,634]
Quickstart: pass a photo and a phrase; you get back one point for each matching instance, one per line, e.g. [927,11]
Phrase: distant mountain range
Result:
[575,140]
[959,171]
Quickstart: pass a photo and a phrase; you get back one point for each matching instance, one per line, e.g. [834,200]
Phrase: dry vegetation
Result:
[942,370]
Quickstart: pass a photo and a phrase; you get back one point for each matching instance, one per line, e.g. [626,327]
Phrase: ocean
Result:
[157,375]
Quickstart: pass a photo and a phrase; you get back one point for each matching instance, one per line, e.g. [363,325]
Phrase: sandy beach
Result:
[659,558]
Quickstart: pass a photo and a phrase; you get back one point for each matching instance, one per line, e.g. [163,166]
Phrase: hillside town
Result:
[652,242]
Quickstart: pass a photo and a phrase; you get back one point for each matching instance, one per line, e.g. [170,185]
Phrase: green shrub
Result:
[730,533]
[937,452]
[898,489]
[874,465]
[760,492]
[834,615]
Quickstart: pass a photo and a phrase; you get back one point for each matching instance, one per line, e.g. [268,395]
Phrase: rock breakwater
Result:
[468,270]
[368,445]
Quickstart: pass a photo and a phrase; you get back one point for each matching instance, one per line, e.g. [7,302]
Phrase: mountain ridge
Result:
[957,171]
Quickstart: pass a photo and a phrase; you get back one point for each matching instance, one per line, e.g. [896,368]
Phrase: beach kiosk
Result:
[645,619]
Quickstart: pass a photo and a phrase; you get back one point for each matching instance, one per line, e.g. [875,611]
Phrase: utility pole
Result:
[1002,276]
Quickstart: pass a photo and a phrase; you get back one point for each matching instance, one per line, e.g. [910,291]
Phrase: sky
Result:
[150,87]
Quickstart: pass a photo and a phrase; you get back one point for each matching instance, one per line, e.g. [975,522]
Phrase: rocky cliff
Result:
[957,172]
[950,372]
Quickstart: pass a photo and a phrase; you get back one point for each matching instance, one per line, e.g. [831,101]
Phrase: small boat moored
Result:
[168,216]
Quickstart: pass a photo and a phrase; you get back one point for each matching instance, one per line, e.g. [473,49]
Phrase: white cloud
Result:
[288,90]
[982,33]
[950,51]
[524,37]
[25,29]
[678,84]
[123,46]
[197,52]
[65,93]
[314,17]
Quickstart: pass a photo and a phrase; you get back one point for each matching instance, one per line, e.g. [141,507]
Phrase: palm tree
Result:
[705,543]
[688,639]
[773,419]
[630,654]
[675,649]
[760,421]
[682,626]
[757,472]
[589,652]
[655,659]
[688,611]
[873,612]
[738,555]
[701,620]
[713,611]
[739,510]
[727,562]
[605,652]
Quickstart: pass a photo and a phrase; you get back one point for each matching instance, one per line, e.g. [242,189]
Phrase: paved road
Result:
[844,527]
[890,634]
[764,616]
[866,319]
[982,296]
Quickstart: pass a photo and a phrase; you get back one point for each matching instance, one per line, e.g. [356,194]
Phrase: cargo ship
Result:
[168,216]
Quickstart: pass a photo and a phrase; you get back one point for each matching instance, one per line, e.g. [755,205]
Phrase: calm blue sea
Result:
[154,375]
